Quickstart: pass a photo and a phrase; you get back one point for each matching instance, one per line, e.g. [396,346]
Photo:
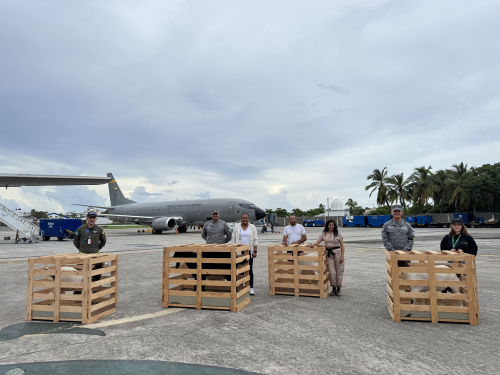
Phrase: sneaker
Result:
[252,292]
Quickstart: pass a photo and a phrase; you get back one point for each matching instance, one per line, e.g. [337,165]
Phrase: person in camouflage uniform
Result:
[397,234]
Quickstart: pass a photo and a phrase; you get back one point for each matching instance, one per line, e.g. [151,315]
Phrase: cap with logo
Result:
[215,211]
[91,214]
[397,207]
[457,220]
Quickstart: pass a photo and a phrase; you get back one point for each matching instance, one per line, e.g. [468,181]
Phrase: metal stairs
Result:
[26,228]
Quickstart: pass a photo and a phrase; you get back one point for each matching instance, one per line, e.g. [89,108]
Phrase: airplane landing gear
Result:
[182,229]
[154,231]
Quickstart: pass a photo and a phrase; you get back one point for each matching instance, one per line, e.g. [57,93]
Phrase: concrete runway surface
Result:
[352,334]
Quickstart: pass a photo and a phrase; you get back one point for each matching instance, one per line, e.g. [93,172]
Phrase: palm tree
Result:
[380,181]
[351,204]
[424,186]
[399,189]
[459,175]
[440,187]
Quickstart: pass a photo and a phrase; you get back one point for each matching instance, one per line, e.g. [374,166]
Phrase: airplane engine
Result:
[163,223]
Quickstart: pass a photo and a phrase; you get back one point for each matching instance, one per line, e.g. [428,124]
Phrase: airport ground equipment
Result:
[192,280]
[313,223]
[412,220]
[355,221]
[59,228]
[432,306]
[288,276]
[467,217]
[378,220]
[48,297]
[424,220]
[25,228]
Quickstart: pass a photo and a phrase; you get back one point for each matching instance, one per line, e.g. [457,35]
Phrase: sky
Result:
[284,103]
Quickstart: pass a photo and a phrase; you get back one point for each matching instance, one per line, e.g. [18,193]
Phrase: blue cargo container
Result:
[412,220]
[60,228]
[378,220]
[480,220]
[424,219]
[355,221]
[465,216]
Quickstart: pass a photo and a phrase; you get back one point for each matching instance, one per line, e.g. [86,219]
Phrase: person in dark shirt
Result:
[459,240]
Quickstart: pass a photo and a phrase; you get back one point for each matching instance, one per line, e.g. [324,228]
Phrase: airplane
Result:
[167,215]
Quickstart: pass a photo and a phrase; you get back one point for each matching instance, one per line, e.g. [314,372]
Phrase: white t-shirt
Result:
[294,233]
[245,236]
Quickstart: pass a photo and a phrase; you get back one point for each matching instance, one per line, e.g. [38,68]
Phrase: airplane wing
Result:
[16,180]
[93,206]
[128,216]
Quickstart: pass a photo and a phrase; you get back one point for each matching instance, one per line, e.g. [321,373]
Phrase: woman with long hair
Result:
[334,243]
[459,240]
[245,233]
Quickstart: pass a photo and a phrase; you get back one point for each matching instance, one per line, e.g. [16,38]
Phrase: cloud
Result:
[140,194]
[337,89]
[11,204]
[204,195]
[173,182]
[61,198]
[276,197]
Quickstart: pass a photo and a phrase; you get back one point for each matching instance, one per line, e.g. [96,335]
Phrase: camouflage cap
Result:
[397,207]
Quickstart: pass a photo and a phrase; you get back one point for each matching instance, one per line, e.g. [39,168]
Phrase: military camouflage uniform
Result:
[216,232]
[398,235]
[96,236]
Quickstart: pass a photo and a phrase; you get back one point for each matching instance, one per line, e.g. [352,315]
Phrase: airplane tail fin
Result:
[115,194]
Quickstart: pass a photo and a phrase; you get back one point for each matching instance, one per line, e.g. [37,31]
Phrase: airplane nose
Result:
[259,213]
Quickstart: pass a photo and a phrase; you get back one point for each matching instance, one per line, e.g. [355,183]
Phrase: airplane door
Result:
[230,208]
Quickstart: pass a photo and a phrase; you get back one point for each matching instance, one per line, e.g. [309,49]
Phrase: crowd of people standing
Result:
[397,234]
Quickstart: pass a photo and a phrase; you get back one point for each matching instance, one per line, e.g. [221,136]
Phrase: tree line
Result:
[458,189]
[282,212]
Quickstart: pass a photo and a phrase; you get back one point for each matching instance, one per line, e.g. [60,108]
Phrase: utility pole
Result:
[328,207]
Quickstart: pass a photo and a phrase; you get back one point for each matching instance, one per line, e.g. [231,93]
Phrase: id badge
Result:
[90,241]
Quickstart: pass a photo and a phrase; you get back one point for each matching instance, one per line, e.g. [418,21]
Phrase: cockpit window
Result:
[246,205]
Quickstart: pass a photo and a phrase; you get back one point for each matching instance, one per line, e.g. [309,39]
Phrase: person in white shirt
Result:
[294,233]
[245,233]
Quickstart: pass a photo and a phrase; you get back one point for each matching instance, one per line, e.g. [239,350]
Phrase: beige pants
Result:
[336,269]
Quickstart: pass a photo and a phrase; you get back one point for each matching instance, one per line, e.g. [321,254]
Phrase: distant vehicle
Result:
[59,228]
[313,223]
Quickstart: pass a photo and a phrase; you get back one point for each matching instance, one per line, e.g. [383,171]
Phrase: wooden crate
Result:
[202,286]
[432,305]
[48,297]
[287,276]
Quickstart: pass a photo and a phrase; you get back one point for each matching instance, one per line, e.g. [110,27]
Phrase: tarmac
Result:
[352,334]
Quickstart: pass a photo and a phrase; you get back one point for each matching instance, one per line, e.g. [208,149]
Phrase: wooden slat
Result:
[102,293]
[101,271]
[77,309]
[470,294]
[29,298]
[432,289]
[407,307]
[103,304]
[104,280]
[395,288]
[57,290]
